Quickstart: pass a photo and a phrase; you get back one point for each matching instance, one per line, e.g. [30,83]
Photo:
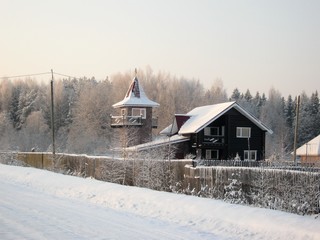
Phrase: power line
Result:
[37,74]
[64,75]
[26,75]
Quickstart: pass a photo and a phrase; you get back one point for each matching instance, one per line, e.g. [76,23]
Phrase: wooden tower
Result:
[135,120]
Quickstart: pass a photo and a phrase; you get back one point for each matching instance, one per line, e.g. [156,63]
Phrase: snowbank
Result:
[204,215]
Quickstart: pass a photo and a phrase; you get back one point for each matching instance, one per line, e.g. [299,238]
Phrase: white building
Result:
[310,151]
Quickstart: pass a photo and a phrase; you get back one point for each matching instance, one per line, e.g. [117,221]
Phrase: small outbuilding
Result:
[310,151]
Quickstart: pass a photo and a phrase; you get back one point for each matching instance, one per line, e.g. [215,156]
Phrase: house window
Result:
[139,112]
[212,154]
[211,131]
[250,155]
[243,132]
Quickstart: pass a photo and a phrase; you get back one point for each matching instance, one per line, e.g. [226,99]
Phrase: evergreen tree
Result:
[315,113]
[309,118]
[306,131]
[249,104]
[235,96]
[314,103]
[263,99]
[257,104]
[14,107]
[289,114]
[248,96]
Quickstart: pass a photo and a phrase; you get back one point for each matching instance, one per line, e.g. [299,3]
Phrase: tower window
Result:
[139,112]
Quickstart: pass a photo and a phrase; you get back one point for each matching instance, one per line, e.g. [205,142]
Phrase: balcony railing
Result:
[121,121]
[213,141]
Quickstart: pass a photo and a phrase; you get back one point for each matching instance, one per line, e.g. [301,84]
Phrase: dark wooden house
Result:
[221,131]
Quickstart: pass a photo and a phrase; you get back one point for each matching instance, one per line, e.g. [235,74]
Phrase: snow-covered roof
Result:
[201,117]
[311,148]
[161,141]
[170,130]
[135,97]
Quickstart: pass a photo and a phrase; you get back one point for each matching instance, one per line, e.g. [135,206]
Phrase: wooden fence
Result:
[289,188]
[154,174]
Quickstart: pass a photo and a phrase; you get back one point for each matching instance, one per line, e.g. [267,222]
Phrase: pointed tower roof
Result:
[135,97]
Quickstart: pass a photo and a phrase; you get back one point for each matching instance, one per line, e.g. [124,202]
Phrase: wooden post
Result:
[296,132]
[52,116]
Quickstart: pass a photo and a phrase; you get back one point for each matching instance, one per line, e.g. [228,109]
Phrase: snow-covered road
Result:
[37,204]
[31,214]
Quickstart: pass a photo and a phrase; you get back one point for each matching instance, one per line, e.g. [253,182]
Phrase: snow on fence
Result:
[286,190]
[151,173]
[285,165]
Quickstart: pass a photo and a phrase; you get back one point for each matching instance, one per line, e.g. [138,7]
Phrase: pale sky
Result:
[252,45]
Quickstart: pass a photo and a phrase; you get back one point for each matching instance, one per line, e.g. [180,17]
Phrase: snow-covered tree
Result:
[272,114]
[6,133]
[83,106]
[216,94]
[90,128]
[309,124]
[35,134]
[154,171]
[234,190]
[315,113]
[14,106]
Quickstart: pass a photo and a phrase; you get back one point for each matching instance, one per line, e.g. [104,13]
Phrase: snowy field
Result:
[38,204]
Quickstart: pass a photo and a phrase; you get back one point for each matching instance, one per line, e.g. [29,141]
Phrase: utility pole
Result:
[296,132]
[52,116]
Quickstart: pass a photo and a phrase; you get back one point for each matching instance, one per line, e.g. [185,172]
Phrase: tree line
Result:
[83,107]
